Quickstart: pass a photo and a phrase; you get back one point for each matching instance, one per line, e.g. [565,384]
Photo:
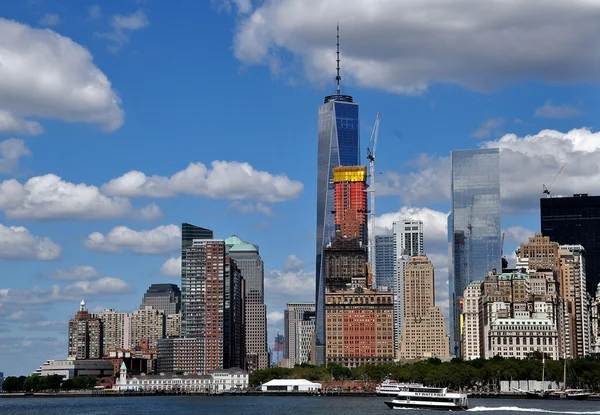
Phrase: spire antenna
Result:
[338,78]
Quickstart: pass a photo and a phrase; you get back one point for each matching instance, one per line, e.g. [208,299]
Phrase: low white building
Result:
[70,369]
[291,385]
[218,381]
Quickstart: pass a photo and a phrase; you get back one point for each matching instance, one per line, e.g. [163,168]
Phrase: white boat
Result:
[391,387]
[423,397]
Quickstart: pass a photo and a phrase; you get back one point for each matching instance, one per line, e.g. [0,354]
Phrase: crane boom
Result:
[371,190]
[548,189]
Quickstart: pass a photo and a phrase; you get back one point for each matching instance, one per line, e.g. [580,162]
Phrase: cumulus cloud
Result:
[78,273]
[16,242]
[71,292]
[171,267]
[293,263]
[556,111]
[50,19]
[123,26]
[10,124]
[404,46]
[47,75]
[225,180]
[49,197]
[291,285]
[525,164]
[161,240]
[11,151]
[274,317]
[488,128]
[518,234]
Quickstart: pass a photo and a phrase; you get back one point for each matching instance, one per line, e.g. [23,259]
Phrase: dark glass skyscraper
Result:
[338,145]
[166,297]
[473,226]
[575,221]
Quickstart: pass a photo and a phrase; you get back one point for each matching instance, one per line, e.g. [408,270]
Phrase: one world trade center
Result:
[338,145]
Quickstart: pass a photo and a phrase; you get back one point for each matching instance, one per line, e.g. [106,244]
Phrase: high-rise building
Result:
[305,332]
[173,328]
[350,202]
[344,259]
[407,237]
[85,336]
[473,225]
[166,297]
[147,324]
[233,317]
[575,221]
[293,314]
[595,322]
[470,312]
[385,257]
[180,355]
[188,234]
[424,332]
[247,258]
[116,329]
[338,145]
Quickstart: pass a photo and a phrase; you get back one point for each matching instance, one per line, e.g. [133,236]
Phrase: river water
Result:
[268,405]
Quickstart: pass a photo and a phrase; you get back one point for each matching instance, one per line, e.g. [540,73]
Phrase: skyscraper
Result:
[385,259]
[473,225]
[350,202]
[338,145]
[166,297]
[247,258]
[85,336]
[575,221]
[188,234]
[294,313]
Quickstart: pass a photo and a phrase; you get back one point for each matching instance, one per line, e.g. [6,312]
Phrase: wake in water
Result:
[517,409]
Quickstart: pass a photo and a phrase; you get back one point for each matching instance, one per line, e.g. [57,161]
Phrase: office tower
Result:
[407,237]
[305,331]
[166,297]
[188,234]
[247,258]
[233,317]
[470,322]
[85,336]
[473,225]
[344,259]
[294,313]
[424,330]
[572,289]
[575,221]
[338,145]
[173,328]
[147,324]
[203,299]
[359,325]
[385,255]
[350,202]
[116,330]
[538,253]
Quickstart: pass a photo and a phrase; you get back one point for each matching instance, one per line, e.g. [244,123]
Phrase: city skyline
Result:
[94,183]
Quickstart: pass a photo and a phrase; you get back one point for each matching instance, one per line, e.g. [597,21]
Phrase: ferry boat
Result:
[422,397]
[391,387]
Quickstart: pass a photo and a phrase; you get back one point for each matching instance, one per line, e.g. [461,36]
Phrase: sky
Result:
[119,120]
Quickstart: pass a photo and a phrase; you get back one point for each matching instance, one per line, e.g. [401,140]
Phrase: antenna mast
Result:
[338,78]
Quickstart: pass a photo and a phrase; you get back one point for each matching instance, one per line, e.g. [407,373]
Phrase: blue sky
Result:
[121,119]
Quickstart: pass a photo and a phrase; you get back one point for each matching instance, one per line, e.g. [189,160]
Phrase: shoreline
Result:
[124,394]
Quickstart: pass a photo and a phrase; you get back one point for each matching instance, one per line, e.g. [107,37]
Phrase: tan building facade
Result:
[173,328]
[470,322]
[424,332]
[116,329]
[147,324]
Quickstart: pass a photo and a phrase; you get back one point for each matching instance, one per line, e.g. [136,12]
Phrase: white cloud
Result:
[11,151]
[47,75]
[225,180]
[488,128]
[10,124]
[435,225]
[72,292]
[78,273]
[251,207]
[94,12]
[293,263]
[556,111]
[16,242]
[50,19]
[122,26]
[150,213]
[525,164]
[171,267]
[404,46]
[49,197]
[274,317]
[290,285]
[518,234]
[160,240]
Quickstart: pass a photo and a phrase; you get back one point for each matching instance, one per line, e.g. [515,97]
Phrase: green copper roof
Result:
[234,240]
[123,367]
[235,244]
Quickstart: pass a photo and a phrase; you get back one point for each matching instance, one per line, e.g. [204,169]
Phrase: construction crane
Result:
[548,189]
[371,190]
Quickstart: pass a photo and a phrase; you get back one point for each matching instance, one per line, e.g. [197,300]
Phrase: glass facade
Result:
[474,232]
[338,145]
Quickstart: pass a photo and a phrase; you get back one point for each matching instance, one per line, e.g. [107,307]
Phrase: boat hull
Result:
[414,405]
[558,395]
